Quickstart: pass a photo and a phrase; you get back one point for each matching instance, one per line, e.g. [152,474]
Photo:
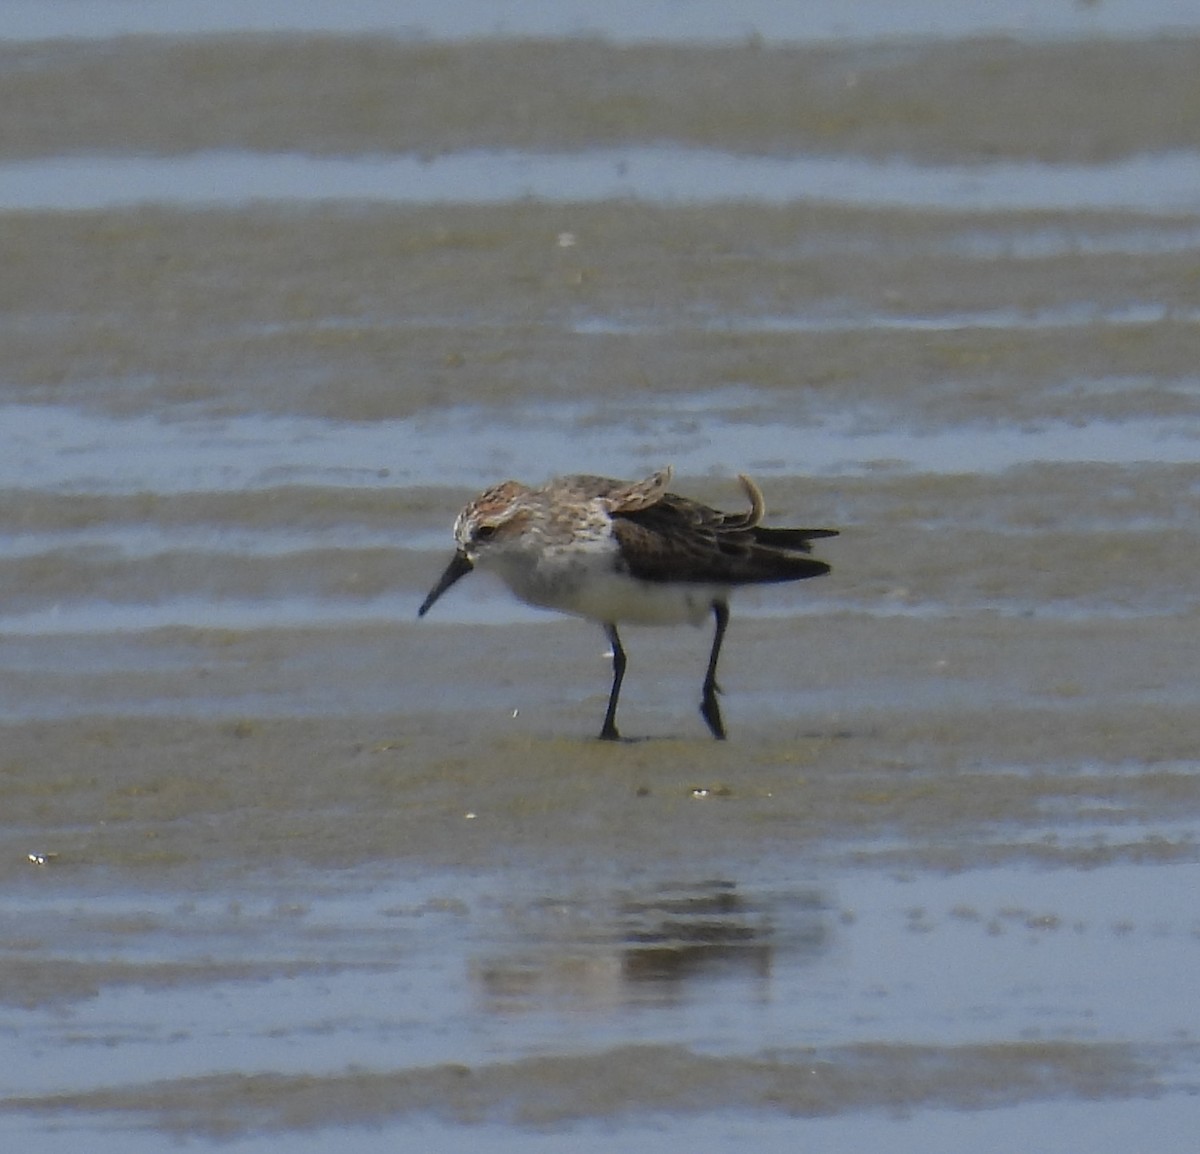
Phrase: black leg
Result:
[609,731]
[709,709]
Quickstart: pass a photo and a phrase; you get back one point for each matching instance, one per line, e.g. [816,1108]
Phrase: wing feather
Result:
[675,539]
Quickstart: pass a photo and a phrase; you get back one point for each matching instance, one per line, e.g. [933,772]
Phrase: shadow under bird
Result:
[621,552]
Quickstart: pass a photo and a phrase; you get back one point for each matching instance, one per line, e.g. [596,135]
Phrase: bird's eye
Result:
[485,532]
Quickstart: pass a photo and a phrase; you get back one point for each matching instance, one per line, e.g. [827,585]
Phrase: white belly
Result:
[617,599]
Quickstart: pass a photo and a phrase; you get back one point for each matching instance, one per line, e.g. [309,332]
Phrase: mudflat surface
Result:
[284,866]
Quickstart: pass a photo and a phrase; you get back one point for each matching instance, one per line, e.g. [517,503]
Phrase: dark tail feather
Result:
[795,540]
[798,568]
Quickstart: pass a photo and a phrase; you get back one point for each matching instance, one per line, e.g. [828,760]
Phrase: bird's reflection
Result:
[653,946]
[709,926]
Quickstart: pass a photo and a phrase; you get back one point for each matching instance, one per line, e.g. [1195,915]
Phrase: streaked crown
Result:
[493,514]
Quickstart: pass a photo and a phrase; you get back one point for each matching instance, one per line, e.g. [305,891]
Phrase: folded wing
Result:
[675,539]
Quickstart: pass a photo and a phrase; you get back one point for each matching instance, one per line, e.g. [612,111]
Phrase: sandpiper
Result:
[621,552]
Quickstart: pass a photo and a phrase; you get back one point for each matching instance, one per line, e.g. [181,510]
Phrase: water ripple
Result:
[1162,183]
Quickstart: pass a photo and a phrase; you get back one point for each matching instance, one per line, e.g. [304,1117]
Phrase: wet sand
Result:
[972,99]
[304,867]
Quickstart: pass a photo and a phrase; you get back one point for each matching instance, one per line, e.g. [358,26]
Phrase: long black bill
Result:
[460,565]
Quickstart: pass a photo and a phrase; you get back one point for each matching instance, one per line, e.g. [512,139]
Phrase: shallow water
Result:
[725,968]
[621,20]
[467,445]
[1157,184]
[284,866]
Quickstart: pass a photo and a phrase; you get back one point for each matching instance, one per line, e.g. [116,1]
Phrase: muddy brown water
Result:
[284,866]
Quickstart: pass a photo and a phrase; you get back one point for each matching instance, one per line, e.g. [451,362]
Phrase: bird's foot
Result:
[711,712]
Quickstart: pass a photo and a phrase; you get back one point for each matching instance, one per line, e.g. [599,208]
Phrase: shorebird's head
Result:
[485,527]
